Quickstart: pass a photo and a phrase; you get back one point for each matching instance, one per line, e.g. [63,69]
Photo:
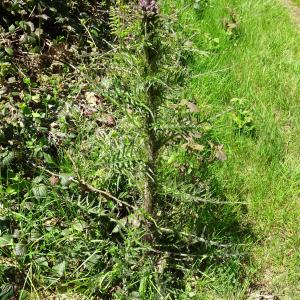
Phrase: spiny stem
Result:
[151,48]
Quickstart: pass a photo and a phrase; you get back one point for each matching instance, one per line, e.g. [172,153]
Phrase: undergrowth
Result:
[107,105]
[75,158]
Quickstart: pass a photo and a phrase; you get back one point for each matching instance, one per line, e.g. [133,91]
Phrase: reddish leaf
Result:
[54,180]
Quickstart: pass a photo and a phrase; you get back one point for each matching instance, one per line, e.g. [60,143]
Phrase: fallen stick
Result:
[88,187]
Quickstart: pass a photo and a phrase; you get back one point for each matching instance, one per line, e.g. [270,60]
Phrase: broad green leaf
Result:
[59,269]
[36,115]
[38,179]
[65,179]
[12,28]
[36,97]
[40,191]
[172,158]
[39,32]
[42,261]
[11,190]
[9,51]
[6,240]
[48,158]
[27,80]
[7,159]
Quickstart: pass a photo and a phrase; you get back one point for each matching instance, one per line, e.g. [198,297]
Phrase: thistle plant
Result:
[149,8]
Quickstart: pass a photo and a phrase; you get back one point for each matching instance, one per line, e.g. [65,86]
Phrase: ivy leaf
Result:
[12,28]
[9,51]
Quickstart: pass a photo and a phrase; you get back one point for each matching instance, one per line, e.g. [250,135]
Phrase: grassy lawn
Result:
[256,62]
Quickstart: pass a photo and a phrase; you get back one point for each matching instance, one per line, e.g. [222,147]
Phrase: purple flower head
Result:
[149,7]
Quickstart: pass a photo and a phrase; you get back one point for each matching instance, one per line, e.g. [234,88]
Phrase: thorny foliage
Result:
[149,7]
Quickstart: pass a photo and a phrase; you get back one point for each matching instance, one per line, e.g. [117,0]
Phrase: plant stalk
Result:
[151,48]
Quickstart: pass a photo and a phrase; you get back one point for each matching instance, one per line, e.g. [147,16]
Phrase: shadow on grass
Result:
[218,241]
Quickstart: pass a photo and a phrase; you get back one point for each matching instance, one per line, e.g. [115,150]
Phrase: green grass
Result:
[258,63]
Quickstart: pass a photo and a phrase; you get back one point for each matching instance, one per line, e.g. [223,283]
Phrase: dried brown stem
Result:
[88,187]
